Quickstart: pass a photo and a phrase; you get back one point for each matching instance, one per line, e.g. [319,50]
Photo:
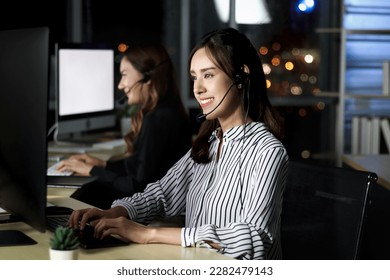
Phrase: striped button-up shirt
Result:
[234,201]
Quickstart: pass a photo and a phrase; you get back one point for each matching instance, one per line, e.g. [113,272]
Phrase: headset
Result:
[241,78]
[146,77]
[148,74]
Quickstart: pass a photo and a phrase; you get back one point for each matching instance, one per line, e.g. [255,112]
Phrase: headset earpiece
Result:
[241,78]
[146,77]
[148,74]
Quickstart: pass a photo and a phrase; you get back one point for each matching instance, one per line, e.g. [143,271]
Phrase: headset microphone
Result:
[145,79]
[202,117]
[241,78]
[122,99]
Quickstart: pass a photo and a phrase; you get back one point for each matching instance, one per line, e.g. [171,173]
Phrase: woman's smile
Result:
[206,102]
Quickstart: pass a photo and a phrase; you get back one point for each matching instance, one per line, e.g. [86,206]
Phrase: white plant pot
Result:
[64,254]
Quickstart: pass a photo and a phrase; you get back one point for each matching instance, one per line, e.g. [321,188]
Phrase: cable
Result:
[54,126]
[243,142]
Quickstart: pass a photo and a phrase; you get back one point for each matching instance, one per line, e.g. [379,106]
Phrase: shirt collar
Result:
[237,133]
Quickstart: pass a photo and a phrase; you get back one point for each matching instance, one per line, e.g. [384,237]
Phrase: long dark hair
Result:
[230,50]
[154,62]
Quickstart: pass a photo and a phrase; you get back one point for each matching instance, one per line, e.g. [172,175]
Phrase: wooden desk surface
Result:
[40,251]
[380,164]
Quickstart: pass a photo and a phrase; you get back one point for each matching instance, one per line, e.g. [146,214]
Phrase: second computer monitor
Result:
[85,88]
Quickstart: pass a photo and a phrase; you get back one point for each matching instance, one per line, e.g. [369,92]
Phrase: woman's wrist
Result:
[151,235]
[100,163]
[166,235]
[117,211]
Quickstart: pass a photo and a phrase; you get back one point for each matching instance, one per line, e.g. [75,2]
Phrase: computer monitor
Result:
[24,81]
[85,89]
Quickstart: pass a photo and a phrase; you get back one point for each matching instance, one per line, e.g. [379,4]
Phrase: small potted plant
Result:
[64,244]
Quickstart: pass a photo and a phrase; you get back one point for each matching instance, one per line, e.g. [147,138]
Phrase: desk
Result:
[110,152]
[40,251]
[380,164]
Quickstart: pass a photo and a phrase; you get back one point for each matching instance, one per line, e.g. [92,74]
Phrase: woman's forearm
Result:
[169,235]
[166,235]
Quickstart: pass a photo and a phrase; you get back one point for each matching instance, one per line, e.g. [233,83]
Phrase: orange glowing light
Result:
[289,65]
[122,47]
[263,50]
[275,61]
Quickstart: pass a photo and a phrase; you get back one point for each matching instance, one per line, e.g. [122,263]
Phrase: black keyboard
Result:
[52,222]
[86,238]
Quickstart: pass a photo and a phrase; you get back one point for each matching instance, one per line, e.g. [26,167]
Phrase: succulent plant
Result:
[64,238]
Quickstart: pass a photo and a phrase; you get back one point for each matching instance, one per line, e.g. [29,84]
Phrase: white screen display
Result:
[86,81]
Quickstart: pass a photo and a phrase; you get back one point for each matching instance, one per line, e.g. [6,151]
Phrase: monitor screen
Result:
[85,87]
[24,80]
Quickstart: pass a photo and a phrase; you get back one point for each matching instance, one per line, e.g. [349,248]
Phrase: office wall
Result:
[162,20]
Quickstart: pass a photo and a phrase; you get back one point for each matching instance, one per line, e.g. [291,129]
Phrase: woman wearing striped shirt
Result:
[230,184]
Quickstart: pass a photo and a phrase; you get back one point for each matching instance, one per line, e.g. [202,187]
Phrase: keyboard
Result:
[52,171]
[112,144]
[86,238]
[52,222]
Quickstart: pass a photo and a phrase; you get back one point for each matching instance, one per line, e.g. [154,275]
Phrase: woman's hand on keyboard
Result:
[125,228]
[79,218]
[77,166]
[89,160]
[114,221]
[135,232]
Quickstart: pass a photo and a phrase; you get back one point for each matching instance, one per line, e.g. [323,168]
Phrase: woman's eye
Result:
[206,76]
[193,78]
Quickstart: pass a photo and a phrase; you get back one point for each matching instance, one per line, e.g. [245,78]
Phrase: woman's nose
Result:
[198,88]
[120,85]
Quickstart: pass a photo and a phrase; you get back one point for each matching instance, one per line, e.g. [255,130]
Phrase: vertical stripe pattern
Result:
[235,201]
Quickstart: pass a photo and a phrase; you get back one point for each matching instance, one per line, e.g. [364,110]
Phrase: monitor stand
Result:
[10,237]
[15,238]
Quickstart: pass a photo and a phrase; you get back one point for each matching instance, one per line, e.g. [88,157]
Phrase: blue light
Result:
[306,6]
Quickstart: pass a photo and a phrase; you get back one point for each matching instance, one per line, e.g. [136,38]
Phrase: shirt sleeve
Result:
[252,237]
[165,197]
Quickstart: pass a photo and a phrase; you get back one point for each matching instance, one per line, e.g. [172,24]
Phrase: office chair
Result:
[324,212]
